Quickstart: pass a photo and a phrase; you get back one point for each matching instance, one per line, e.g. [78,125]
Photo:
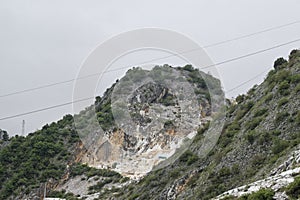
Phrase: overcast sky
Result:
[43,42]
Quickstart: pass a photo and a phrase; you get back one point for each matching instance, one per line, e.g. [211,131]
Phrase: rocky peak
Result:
[152,118]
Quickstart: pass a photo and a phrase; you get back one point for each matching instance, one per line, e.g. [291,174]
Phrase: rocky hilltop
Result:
[154,113]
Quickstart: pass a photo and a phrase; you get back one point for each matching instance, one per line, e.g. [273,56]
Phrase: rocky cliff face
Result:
[152,118]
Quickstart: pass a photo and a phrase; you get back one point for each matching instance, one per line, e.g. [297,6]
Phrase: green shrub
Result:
[279,63]
[228,132]
[258,160]
[200,132]
[189,68]
[271,77]
[297,88]
[244,109]
[239,99]
[251,137]
[234,126]
[293,189]
[224,172]
[283,88]
[279,146]
[251,125]
[188,157]
[293,53]
[268,97]
[264,138]
[282,75]
[229,197]
[175,173]
[276,132]
[282,101]
[262,194]
[295,78]
[260,112]
[281,116]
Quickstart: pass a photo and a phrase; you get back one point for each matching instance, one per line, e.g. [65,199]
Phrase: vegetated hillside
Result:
[26,162]
[51,156]
[262,128]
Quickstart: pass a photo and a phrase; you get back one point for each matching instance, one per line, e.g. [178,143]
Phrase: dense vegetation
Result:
[27,162]
[293,189]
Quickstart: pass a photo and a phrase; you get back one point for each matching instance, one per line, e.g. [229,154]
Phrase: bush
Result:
[234,126]
[281,116]
[282,101]
[239,99]
[282,75]
[293,189]
[224,172]
[260,112]
[276,132]
[200,132]
[295,78]
[264,138]
[293,54]
[279,63]
[244,109]
[189,68]
[188,157]
[251,125]
[258,160]
[283,88]
[262,194]
[279,146]
[268,97]
[251,137]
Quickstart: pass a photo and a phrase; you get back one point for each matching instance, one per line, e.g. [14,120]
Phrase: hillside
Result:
[259,140]
[262,128]
[51,157]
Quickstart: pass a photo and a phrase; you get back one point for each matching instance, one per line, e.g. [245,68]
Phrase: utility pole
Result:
[23,127]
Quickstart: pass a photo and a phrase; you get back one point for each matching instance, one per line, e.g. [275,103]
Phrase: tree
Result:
[5,136]
[279,63]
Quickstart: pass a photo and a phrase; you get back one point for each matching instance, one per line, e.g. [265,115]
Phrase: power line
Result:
[252,34]
[245,82]
[251,54]
[164,57]
[220,63]
[226,61]
[43,109]
[46,86]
